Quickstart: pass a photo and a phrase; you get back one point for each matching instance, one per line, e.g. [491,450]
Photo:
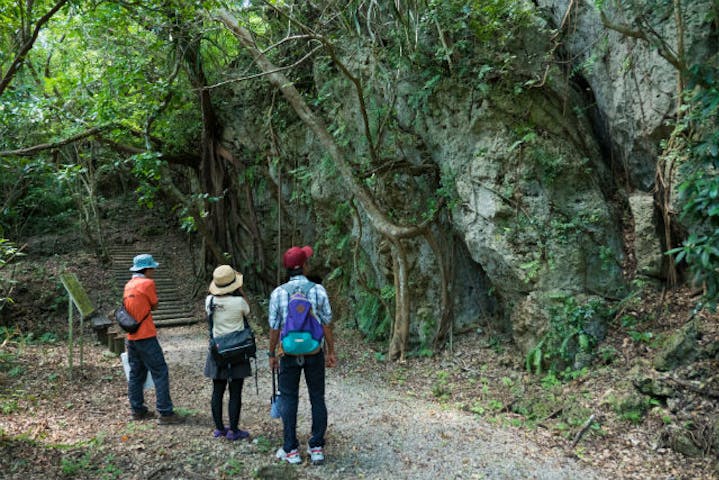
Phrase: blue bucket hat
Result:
[143,261]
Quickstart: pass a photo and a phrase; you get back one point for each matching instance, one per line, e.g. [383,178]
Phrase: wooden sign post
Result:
[79,298]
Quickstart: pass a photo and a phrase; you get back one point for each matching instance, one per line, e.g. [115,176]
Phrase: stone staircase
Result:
[173,310]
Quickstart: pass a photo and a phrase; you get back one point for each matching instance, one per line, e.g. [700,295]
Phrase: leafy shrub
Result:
[35,200]
[373,320]
[700,190]
[568,336]
[8,250]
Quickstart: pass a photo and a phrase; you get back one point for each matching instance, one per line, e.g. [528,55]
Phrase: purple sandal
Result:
[237,435]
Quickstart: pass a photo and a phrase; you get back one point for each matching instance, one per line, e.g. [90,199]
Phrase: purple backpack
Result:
[302,333]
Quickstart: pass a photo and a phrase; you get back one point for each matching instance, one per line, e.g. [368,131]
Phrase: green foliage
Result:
[373,320]
[234,467]
[108,66]
[493,21]
[264,444]
[640,337]
[337,234]
[550,380]
[496,343]
[634,412]
[441,388]
[607,354]
[636,328]
[109,470]
[186,412]
[8,251]
[73,467]
[700,190]
[91,462]
[566,337]
[34,199]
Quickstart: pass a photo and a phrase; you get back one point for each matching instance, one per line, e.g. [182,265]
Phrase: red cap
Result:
[295,257]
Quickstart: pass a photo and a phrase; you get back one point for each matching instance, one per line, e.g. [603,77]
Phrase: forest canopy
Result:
[112,97]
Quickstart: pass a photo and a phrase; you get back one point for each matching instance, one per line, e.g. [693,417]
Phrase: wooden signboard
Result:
[77,294]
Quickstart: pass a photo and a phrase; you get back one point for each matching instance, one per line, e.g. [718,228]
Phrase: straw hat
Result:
[225,280]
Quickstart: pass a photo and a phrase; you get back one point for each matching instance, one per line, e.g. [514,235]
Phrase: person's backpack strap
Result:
[211,313]
[304,288]
[257,387]
[148,312]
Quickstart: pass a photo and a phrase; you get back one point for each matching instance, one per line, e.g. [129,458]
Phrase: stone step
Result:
[182,310]
[159,317]
[173,309]
[176,322]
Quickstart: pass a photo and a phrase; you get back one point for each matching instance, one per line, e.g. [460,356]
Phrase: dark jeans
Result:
[233,406]
[290,370]
[143,356]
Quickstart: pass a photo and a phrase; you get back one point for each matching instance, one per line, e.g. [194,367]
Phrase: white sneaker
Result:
[317,455]
[291,457]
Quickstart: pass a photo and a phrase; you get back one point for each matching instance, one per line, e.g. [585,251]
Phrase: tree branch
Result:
[186,159]
[25,48]
[262,74]
[379,219]
[584,429]
[29,151]
[329,47]
[664,50]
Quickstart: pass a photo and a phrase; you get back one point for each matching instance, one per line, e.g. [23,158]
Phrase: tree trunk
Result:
[445,309]
[400,333]
[219,173]
[380,221]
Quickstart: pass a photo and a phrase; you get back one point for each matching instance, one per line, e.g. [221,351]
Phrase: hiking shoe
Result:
[233,435]
[146,415]
[317,455]
[220,433]
[292,457]
[171,419]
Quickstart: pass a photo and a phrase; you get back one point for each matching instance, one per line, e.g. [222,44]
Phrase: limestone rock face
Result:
[532,205]
[647,247]
[633,86]
[540,169]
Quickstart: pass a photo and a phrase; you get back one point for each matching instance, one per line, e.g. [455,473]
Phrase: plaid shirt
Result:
[317,297]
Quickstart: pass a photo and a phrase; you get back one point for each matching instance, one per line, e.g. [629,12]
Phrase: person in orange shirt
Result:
[143,350]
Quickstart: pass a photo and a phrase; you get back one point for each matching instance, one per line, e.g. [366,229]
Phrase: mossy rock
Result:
[654,387]
[680,440]
[626,401]
[677,348]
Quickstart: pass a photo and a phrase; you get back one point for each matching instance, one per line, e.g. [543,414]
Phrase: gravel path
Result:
[374,432]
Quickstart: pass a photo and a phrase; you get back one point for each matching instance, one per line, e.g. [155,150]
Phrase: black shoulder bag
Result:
[126,321]
[234,347]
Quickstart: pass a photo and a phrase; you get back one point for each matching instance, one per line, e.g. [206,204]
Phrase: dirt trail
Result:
[374,432]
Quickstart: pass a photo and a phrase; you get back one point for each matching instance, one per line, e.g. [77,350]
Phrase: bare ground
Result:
[79,426]
[467,413]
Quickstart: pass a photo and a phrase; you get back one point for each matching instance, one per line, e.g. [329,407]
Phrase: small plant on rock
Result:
[568,337]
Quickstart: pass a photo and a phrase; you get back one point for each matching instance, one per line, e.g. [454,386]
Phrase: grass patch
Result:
[186,412]
[264,444]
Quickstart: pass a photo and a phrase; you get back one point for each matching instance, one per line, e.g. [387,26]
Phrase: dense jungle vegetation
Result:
[254,125]
[108,98]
